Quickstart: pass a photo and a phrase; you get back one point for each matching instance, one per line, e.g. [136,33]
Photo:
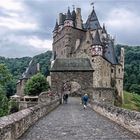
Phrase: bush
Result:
[14,106]
[36,85]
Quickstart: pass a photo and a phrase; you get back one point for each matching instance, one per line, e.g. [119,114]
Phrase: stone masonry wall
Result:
[84,79]
[105,95]
[126,118]
[14,125]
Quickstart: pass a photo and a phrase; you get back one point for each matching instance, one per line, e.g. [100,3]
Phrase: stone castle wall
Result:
[102,73]
[104,95]
[14,125]
[126,118]
[64,41]
[84,79]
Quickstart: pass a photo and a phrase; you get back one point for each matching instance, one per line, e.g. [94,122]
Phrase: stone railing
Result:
[14,125]
[126,118]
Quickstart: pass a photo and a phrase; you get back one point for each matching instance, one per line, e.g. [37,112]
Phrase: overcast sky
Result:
[26,25]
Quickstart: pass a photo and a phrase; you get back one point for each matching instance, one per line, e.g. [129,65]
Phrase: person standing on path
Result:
[65,98]
[85,100]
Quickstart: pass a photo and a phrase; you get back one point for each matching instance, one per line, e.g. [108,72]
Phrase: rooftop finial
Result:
[92,4]
[73,7]
[68,8]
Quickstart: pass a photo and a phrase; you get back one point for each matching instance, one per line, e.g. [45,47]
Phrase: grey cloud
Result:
[14,50]
[45,12]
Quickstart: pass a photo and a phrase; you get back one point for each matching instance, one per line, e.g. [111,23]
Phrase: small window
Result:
[112,71]
[119,70]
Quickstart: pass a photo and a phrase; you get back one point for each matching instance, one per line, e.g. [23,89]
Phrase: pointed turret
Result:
[96,39]
[56,26]
[97,48]
[73,15]
[68,16]
[92,22]
[68,21]
[55,29]
[104,29]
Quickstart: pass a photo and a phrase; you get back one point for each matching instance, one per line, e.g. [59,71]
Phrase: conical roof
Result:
[56,26]
[73,15]
[92,21]
[104,30]
[68,16]
[96,39]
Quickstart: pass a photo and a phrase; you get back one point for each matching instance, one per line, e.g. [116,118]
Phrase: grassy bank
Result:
[131,101]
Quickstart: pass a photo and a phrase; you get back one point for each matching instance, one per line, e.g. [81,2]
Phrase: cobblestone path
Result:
[71,122]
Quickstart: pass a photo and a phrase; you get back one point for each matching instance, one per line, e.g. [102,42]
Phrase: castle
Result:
[74,40]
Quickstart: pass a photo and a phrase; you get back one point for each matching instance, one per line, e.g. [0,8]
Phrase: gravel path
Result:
[71,122]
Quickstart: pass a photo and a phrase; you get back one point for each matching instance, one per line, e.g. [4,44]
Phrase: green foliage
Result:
[13,106]
[36,85]
[3,102]
[5,75]
[44,60]
[16,66]
[132,68]
[131,101]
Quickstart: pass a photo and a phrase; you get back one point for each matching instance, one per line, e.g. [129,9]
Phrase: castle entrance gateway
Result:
[72,75]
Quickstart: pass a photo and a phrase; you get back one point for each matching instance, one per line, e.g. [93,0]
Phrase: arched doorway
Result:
[72,75]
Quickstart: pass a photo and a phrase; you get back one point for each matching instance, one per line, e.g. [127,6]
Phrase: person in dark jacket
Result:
[85,100]
[65,98]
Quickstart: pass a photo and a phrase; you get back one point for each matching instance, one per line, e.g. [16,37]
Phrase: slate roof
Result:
[110,54]
[71,64]
[56,26]
[96,40]
[68,16]
[92,21]
[31,70]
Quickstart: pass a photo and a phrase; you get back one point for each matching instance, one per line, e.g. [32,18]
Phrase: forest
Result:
[12,68]
[17,66]
[132,68]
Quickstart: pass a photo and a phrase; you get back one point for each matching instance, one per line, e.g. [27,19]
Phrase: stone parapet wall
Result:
[14,125]
[126,118]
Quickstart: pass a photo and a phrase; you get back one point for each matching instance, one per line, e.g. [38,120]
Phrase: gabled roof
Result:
[96,40]
[92,21]
[71,64]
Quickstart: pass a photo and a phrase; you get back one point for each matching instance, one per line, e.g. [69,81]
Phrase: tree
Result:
[5,75]
[3,102]
[135,88]
[36,85]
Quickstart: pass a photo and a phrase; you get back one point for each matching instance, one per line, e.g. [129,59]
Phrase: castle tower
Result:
[68,21]
[79,21]
[97,48]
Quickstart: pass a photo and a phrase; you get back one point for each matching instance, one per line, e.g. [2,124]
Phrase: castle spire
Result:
[92,21]
[73,15]
[56,25]
[96,39]
[104,29]
[68,16]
